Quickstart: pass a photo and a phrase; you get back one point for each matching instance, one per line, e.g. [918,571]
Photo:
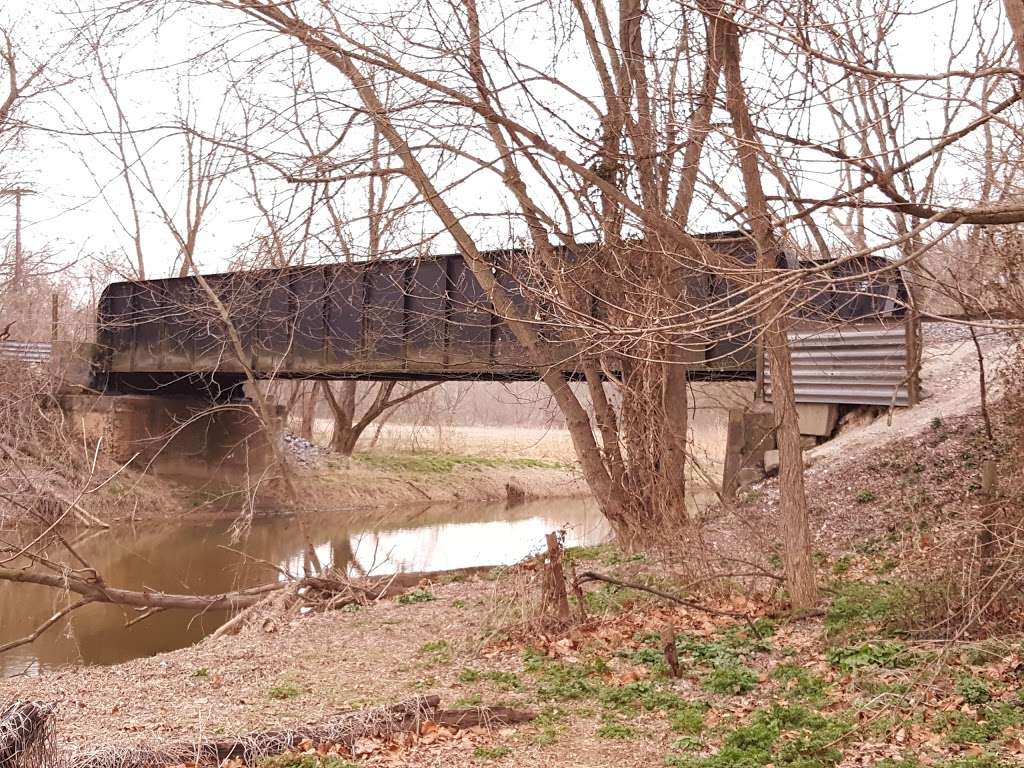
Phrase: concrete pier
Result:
[180,436]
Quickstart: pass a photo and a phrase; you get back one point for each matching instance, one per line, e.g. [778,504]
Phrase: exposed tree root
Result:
[26,735]
[378,722]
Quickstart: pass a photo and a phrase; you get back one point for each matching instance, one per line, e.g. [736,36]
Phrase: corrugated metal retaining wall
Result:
[862,364]
[26,351]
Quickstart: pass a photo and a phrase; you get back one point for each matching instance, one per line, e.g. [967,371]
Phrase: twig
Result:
[592,576]
[38,631]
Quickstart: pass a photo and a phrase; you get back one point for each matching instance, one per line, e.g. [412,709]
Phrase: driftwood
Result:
[404,716]
[332,593]
[26,734]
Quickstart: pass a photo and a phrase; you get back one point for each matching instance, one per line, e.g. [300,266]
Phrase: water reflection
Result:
[198,557]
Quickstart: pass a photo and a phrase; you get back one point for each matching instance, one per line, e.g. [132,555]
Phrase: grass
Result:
[429,462]
[284,691]
[862,607]
[799,684]
[301,760]
[436,651]
[416,596]
[688,718]
[491,753]
[973,690]
[987,725]
[731,679]
[613,729]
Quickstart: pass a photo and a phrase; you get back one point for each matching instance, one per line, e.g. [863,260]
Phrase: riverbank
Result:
[405,468]
[841,689]
[387,479]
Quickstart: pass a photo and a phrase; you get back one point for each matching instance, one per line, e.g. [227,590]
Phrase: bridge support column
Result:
[751,433]
[179,436]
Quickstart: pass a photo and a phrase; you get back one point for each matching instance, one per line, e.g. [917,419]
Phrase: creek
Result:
[202,557]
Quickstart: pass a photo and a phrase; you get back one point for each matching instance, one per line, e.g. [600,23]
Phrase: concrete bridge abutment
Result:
[182,436]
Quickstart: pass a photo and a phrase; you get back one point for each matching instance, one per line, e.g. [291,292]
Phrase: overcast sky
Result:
[80,198]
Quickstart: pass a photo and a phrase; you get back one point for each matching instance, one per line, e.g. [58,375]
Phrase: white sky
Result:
[80,200]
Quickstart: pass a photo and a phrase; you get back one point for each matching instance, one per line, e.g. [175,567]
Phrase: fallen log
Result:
[379,722]
[26,731]
[488,717]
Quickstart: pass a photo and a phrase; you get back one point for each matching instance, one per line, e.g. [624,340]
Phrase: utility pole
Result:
[19,263]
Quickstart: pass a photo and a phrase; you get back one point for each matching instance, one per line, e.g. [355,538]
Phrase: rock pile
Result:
[301,451]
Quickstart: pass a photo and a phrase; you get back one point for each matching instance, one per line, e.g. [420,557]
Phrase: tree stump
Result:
[555,601]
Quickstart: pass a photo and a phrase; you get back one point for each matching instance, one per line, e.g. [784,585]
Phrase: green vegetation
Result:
[301,760]
[201,672]
[842,565]
[973,690]
[865,497]
[569,681]
[472,700]
[799,684]
[437,651]
[988,725]
[780,736]
[885,655]
[416,596]
[491,753]
[429,462]
[613,729]
[284,691]
[578,554]
[643,694]
[505,681]
[860,606]
[688,718]
[731,679]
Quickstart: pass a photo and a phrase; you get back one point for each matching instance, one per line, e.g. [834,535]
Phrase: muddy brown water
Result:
[199,557]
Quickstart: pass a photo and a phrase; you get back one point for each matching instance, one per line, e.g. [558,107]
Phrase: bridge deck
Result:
[425,318]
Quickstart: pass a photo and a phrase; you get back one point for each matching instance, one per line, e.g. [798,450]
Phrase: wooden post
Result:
[735,438]
[54,317]
[987,522]
[912,331]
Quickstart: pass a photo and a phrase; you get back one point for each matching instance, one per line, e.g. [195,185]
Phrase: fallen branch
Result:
[592,576]
[321,592]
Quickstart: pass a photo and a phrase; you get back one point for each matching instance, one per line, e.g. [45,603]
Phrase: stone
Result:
[749,476]
[808,441]
[817,418]
[771,462]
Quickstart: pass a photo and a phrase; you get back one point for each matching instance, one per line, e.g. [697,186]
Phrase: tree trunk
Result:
[794,526]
